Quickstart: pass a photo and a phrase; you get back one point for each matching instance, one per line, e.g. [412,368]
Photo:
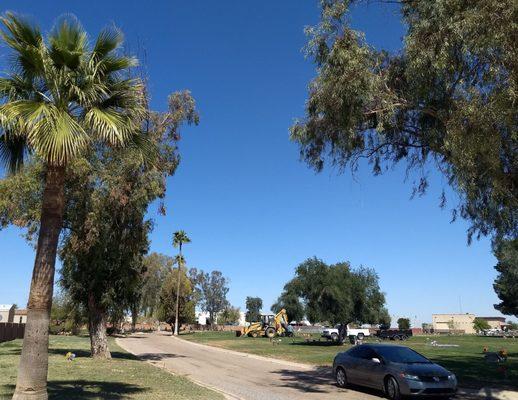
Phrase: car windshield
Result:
[401,355]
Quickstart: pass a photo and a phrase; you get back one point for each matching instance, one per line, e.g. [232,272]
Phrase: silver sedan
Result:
[396,370]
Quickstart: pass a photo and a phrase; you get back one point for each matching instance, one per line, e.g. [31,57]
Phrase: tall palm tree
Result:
[179,238]
[62,98]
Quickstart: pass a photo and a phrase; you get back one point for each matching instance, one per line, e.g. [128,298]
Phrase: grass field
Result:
[466,361]
[123,377]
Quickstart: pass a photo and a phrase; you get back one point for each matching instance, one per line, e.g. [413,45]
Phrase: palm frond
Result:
[53,134]
[108,40]
[13,150]
[27,42]
[58,137]
[62,94]
[15,87]
[68,42]
[109,125]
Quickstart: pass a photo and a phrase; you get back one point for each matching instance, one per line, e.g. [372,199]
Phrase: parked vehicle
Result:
[270,326]
[394,334]
[334,333]
[396,370]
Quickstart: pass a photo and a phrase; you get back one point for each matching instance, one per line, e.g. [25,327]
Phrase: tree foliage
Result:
[156,267]
[253,309]
[403,323]
[448,99]
[480,324]
[230,315]
[336,293]
[290,301]
[506,283]
[213,289]
[168,295]
[63,95]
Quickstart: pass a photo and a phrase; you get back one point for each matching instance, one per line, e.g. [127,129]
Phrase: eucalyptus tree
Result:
[61,98]
[103,267]
[447,99]
[213,289]
[179,239]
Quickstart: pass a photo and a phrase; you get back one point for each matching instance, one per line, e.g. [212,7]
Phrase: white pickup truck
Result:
[334,333]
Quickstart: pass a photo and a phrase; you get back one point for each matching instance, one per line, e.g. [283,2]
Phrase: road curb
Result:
[228,396]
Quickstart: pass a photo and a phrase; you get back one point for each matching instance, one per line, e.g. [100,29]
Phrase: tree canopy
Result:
[480,324]
[335,293]
[290,301]
[403,323]
[253,308]
[229,315]
[213,289]
[156,267]
[168,296]
[446,99]
[506,283]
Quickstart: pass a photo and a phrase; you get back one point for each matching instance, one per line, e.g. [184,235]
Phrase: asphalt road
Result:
[240,376]
[237,375]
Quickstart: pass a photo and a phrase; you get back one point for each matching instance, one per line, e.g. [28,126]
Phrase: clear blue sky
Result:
[252,209]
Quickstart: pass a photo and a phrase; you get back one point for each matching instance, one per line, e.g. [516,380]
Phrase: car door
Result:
[352,363]
[368,371]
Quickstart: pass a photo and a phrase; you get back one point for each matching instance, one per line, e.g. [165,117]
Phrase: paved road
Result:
[237,375]
[244,377]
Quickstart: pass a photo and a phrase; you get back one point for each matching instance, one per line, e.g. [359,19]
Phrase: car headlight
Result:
[410,377]
[452,377]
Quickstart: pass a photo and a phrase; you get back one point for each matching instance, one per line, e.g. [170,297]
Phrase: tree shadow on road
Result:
[158,356]
[317,380]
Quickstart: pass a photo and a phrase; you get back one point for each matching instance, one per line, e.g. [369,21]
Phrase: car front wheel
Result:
[392,389]
[341,377]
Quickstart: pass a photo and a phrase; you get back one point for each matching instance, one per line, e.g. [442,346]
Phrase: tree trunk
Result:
[97,329]
[32,371]
[176,322]
[134,316]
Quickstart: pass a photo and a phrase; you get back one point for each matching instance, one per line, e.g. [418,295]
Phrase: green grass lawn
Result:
[466,361]
[123,377]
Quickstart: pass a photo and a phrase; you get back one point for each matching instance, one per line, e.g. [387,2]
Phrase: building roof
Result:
[501,319]
[454,314]
[5,307]
[20,311]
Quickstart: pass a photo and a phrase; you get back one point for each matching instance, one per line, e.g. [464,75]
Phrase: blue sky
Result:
[251,208]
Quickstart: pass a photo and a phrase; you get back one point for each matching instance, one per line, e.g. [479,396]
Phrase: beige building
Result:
[6,312]
[20,316]
[460,323]
[495,322]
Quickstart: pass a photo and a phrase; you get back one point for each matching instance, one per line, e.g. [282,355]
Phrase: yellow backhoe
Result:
[269,326]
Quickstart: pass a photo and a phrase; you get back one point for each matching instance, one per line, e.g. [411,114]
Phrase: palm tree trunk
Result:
[32,371]
[178,293]
[97,329]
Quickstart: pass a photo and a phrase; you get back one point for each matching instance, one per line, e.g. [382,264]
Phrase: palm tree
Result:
[179,238]
[62,98]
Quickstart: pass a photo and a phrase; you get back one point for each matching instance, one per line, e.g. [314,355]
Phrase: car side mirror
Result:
[376,360]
